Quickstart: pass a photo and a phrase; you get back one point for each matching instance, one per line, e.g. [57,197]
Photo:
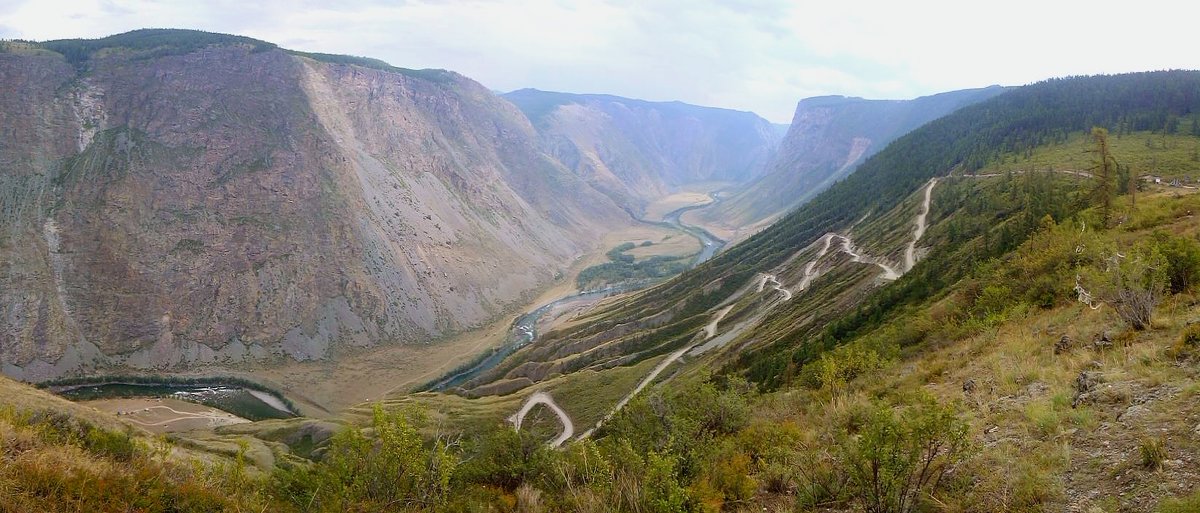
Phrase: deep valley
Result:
[239,277]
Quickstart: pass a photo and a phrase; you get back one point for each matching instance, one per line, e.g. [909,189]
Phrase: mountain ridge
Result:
[220,177]
[637,150]
[828,137]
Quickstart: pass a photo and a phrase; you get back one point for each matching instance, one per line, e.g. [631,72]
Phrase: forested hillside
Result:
[996,312]
[827,140]
[1006,127]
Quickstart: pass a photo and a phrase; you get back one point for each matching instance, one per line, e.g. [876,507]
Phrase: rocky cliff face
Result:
[828,138]
[170,210]
[635,151]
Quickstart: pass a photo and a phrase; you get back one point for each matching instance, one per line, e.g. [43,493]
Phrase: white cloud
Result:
[760,55]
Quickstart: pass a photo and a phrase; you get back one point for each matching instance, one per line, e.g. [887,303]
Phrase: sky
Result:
[756,55]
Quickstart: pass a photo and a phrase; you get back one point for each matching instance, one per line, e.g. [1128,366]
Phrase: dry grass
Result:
[665,205]
[51,462]
[1037,451]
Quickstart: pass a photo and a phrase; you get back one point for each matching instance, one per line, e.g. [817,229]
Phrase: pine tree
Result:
[1104,171]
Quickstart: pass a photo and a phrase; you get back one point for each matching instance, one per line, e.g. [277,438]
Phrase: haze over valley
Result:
[239,274]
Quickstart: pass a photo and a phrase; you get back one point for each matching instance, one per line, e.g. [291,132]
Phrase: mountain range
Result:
[982,300]
[178,200]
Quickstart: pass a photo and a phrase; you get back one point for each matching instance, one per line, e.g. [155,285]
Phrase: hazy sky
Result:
[759,55]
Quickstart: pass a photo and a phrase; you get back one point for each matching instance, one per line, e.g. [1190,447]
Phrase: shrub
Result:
[1187,344]
[663,493]
[395,468]
[1182,257]
[505,458]
[1153,452]
[834,369]
[1132,283]
[1190,336]
[727,477]
[897,460]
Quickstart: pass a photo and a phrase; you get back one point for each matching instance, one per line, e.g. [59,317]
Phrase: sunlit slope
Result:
[870,220]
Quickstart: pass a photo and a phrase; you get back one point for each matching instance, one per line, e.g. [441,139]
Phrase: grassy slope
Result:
[970,139]
[1035,450]
[56,455]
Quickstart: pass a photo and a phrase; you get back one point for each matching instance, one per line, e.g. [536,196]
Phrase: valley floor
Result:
[323,388]
[164,415]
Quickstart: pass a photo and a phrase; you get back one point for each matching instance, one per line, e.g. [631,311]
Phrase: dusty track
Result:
[910,254]
[544,398]
[770,278]
[921,224]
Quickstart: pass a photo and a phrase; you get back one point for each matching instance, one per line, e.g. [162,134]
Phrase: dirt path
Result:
[182,415]
[1083,174]
[848,248]
[910,254]
[810,268]
[165,415]
[640,386]
[544,398]
[710,329]
[770,278]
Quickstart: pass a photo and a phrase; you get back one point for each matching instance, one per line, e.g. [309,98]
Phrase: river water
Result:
[524,328]
[243,402]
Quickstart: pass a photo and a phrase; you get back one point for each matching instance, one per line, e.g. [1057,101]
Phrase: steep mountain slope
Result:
[828,138]
[635,151]
[995,370]
[862,228]
[174,199]
[999,359]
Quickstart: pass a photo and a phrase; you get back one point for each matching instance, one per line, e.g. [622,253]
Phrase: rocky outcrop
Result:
[828,138]
[237,204]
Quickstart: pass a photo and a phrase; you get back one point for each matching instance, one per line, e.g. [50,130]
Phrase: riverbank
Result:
[165,414]
[525,328]
[359,376]
[238,397]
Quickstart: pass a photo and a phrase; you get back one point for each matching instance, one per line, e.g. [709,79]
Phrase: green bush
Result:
[1182,260]
[663,493]
[1190,336]
[1153,453]
[505,458]
[898,460]
[834,369]
[60,428]
[395,468]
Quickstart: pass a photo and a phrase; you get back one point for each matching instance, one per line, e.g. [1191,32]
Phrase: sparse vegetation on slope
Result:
[1041,355]
[149,43]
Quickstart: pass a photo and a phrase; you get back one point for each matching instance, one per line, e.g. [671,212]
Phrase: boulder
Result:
[1063,345]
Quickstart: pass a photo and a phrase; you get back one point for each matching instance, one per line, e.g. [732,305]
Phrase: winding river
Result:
[524,327]
[244,402]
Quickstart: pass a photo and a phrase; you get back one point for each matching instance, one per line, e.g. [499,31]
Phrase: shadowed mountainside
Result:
[827,140]
[176,199]
[634,150]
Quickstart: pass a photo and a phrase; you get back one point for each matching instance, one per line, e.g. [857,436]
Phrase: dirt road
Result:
[544,398]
